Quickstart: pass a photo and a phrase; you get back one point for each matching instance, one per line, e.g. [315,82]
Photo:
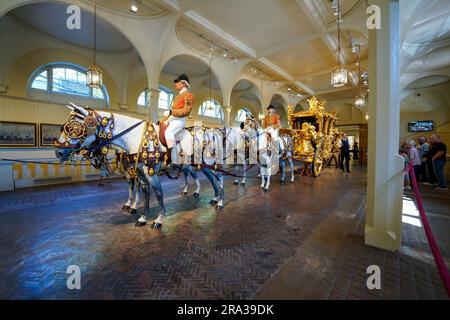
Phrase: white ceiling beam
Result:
[205,23]
[171,5]
[231,40]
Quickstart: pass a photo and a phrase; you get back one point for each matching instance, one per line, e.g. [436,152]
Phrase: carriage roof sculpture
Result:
[314,134]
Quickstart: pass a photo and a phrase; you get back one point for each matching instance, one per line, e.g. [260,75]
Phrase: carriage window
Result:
[65,79]
[298,122]
[211,108]
[242,114]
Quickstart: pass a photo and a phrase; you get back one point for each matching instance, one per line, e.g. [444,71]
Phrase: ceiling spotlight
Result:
[134,8]
[289,89]
[236,60]
[276,83]
[225,53]
[299,95]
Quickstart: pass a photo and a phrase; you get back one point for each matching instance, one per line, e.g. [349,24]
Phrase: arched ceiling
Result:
[432,26]
[250,96]
[295,40]
[278,100]
[429,81]
[243,85]
[50,19]
[424,101]
[190,65]
[194,68]
[425,54]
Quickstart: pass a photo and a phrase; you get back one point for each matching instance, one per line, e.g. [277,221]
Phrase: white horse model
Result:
[268,151]
[89,130]
[134,186]
[286,153]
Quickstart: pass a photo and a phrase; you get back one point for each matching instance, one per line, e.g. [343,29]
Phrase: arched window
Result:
[211,108]
[164,101]
[143,98]
[242,114]
[165,98]
[67,79]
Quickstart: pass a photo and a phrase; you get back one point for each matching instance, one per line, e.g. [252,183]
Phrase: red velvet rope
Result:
[442,267]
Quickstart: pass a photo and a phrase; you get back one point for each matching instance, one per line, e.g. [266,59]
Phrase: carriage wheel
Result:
[317,163]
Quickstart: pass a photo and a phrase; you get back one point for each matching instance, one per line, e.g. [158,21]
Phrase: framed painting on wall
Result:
[18,134]
[49,133]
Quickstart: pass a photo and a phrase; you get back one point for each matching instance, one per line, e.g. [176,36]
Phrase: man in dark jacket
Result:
[439,158]
[345,154]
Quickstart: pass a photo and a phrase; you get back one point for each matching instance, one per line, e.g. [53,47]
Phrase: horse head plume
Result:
[77,109]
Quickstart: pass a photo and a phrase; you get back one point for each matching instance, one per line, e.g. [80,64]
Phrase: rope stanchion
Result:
[442,267]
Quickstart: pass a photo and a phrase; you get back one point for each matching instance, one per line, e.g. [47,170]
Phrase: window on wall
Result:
[65,79]
[165,98]
[143,98]
[211,108]
[164,101]
[242,114]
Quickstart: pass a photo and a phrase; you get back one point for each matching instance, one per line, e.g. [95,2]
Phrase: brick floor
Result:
[261,245]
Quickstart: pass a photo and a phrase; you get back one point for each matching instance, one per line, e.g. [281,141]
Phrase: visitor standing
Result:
[414,158]
[345,154]
[439,158]
[431,176]
[423,149]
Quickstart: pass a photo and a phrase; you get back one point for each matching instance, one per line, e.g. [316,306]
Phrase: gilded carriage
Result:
[314,135]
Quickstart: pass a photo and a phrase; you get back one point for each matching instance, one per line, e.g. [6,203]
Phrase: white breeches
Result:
[176,125]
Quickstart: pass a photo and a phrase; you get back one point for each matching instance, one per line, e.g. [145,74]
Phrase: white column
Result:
[226,116]
[153,104]
[385,167]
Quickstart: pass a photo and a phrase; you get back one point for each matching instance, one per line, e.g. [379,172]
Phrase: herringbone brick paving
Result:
[200,253]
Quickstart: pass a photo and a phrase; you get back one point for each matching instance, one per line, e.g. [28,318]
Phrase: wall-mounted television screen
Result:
[420,126]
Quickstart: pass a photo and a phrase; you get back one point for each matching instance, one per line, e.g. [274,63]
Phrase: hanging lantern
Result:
[210,105]
[94,77]
[339,73]
[360,101]
[339,76]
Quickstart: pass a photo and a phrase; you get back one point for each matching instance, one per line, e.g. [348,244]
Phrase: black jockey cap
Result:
[182,78]
[270,107]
